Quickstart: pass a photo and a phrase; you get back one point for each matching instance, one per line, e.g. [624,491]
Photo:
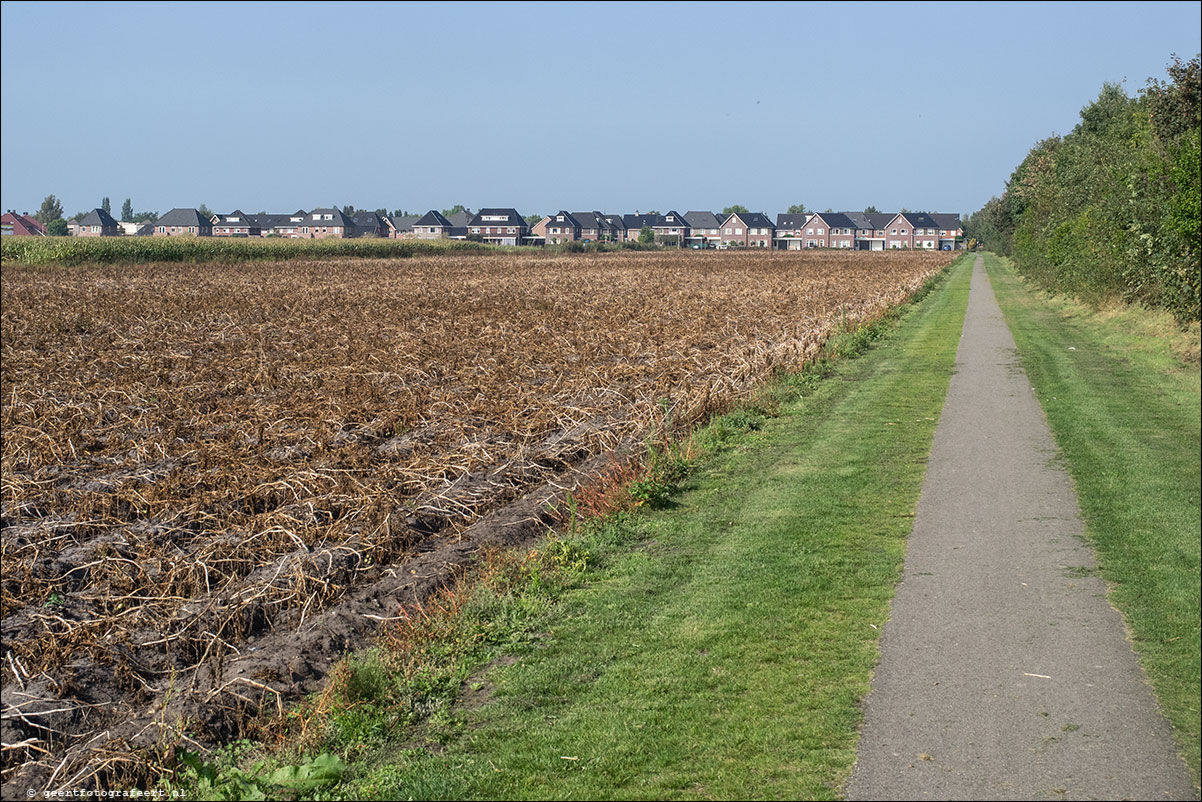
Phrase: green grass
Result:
[716,647]
[1123,406]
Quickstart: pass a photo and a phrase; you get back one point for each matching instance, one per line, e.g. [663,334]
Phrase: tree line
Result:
[1113,208]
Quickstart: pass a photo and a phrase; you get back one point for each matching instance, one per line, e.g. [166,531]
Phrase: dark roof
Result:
[630,221]
[367,220]
[433,218]
[589,220]
[677,219]
[837,219]
[752,219]
[947,222]
[568,219]
[272,220]
[512,218]
[615,220]
[702,219]
[184,218]
[98,217]
[791,220]
[404,222]
[243,219]
[921,220]
[461,219]
[338,218]
[870,220]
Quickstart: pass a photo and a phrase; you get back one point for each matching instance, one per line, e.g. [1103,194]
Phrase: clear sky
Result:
[618,107]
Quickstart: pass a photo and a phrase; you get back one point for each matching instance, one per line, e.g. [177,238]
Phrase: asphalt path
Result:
[1004,672]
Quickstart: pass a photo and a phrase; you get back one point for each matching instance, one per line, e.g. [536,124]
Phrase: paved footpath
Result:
[1004,672]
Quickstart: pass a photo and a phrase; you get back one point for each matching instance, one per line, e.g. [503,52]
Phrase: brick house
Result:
[369,225]
[870,229]
[401,227]
[499,226]
[432,225]
[20,225]
[632,225]
[671,229]
[912,230]
[704,228]
[829,230]
[183,223]
[790,231]
[595,227]
[951,231]
[747,230]
[326,224]
[562,227]
[236,224]
[96,223]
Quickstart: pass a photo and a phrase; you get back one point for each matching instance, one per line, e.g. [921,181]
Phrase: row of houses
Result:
[867,231]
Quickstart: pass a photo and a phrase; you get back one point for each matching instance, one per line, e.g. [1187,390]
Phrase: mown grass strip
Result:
[718,648]
[1124,410]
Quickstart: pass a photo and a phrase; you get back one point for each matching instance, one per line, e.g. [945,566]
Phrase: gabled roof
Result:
[639,220]
[98,217]
[271,220]
[752,219]
[920,219]
[512,218]
[947,222]
[433,218]
[24,225]
[184,218]
[792,220]
[677,220]
[590,220]
[237,218]
[461,219]
[337,219]
[836,219]
[870,220]
[615,221]
[568,219]
[367,220]
[702,219]
[404,222]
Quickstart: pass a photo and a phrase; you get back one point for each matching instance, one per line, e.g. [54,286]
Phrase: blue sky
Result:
[616,107]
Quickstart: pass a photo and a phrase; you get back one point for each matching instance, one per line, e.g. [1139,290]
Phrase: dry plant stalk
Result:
[195,455]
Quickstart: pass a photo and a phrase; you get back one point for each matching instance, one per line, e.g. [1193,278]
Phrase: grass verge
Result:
[1121,394]
[707,640]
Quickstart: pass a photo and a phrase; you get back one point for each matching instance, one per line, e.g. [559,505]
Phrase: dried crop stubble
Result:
[196,455]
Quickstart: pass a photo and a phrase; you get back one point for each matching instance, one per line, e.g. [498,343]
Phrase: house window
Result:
[821,231]
[738,231]
[903,231]
[512,231]
[475,231]
[728,231]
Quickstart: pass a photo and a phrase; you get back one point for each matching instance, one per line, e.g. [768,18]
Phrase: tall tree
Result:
[532,219]
[57,228]
[349,211]
[106,204]
[872,210]
[737,208]
[204,211]
[458,208]
[127,211]
[646,235]
[797,208]
[52,209]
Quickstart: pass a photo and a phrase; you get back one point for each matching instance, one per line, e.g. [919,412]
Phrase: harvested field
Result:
[216,478]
